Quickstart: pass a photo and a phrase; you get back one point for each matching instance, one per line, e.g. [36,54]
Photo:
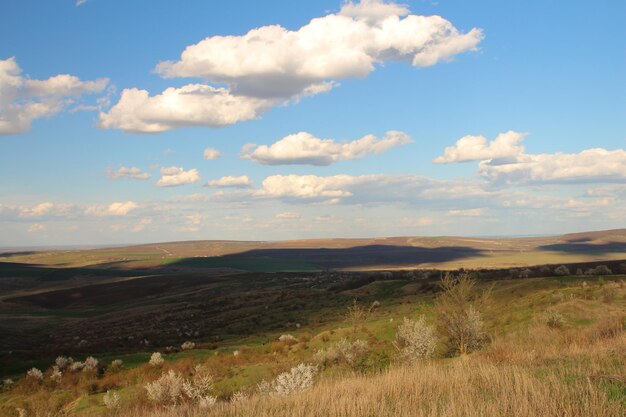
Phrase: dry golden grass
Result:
[462,388]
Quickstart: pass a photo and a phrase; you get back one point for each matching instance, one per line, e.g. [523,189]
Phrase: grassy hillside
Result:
[556,346]
[351,254]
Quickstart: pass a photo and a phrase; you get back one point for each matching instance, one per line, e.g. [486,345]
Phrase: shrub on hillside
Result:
[34,374]
[561,271]
[116,365]
[188,345]
[601,270]
[554,319]
[343,351]
[415,339]
[156,359]
[90,364]
[299,378]
[172,389]
[288,339]
[63,362]
[458,314]
[111,400]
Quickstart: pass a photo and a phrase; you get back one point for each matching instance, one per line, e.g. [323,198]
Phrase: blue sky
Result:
[85,158]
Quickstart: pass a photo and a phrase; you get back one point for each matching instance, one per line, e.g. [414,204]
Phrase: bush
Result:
[156,359]
[63,362]
[188,345]
[459,319]
[111,400]
[171,389]
[554,319]
[288,339]
[561,271]
[116,365]
[34,374]
[167,390]
[90,364]
[56,374]
[601,270]
[343,351]
[415,339]
[299,378]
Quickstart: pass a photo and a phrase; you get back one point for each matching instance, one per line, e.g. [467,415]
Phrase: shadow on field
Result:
[586,248]
[310,259]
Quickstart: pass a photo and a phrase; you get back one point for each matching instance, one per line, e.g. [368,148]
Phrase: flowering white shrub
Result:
[90,364]
[7,383]
[236,353]
[167,390]
[343,351]
[288,339]
[111,400]
[415,339]
[56,374]
[76,366]
[172,389]
[156,359]
[297,379]
[188,345]
[63,362]
[35,374]
[116,364]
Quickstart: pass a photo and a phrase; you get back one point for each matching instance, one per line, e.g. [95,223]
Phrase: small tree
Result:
[415,339]
[458,313]
[156,359]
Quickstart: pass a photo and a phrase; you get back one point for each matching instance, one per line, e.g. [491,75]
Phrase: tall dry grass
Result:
[462,388]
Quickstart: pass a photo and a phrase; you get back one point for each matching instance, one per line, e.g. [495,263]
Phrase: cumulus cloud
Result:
[304,148]
[190,105]
[46,209]
[175,176]
[504,161]
[24,100]
[272,61]
[591,165]
[119,208]
[211,154]
[124,172]
[231,181]
[366,189]
[477,148]
[271,65]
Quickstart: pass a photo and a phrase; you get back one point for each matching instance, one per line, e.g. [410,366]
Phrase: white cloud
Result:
[241,181]
[211,154]
[141,225]
[23,100]
[591,165]
[124,172]
[288,215]
[476,148]
[365,189]
[36,227]
[36,211]
[190,105]
[476,212]
[271,65]
[80,2]
[272,61]
[175,176]
[118,208]
[304,148]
